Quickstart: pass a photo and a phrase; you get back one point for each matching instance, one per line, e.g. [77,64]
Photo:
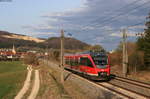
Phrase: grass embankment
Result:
[12,76]
[51,86]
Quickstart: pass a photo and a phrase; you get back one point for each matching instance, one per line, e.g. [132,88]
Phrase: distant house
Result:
[10,54]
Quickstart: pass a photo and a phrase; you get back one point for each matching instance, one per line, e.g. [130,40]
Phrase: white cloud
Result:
[92,20]
[116,35]
[39,27]
[131,34]
[138,26]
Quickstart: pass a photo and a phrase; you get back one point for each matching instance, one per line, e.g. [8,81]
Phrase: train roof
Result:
[92,53]
[96,53]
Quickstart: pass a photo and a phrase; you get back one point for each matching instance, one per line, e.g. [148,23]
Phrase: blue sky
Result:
[19,13]
[92,21]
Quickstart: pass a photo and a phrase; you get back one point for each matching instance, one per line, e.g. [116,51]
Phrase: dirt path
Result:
[36,86]
[26,84]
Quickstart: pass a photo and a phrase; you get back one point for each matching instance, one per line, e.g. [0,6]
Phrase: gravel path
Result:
[26,84]
[36,86]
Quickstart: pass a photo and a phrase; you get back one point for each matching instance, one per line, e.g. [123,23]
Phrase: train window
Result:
[71,62]
[76,62]
[101,60]
[67,61]
[86,62]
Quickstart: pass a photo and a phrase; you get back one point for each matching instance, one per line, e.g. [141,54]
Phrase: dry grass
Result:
[50,88]
[142,76]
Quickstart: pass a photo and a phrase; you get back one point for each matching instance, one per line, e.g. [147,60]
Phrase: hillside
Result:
[22,41]
[69,43]
[8,39]
[4,34]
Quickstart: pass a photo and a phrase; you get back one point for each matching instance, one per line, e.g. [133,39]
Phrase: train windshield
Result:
[101,61]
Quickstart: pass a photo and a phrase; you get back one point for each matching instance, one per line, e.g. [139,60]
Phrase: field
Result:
[12,76]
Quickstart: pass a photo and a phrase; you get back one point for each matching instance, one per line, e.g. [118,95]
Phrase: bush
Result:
[135,57]
[115,58]
[56,54]
[31,59]
[136,61]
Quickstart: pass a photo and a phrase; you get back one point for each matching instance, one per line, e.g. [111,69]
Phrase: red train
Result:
[94,65]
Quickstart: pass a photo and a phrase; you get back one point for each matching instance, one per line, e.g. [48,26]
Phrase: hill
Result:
[8,39]
[69,43]
[22,41]
[4,34]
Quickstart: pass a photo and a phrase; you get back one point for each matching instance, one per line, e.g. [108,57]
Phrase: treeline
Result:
[144,43]
[138,52]
[135,57]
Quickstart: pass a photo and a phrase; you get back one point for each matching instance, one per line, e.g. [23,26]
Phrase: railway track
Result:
[135,82]
[129,94]
[114,90]
[126,91]
[135,88]
[124,87]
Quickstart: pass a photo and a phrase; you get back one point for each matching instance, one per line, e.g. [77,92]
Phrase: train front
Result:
[102,65]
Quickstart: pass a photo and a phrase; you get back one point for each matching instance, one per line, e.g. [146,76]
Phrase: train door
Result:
[86,66]
[76,63]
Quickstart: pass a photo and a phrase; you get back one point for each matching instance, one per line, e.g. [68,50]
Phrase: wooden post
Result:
[125,55]
[62,56]
[47,53]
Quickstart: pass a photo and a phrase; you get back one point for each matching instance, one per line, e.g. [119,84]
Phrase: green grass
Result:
[12,76]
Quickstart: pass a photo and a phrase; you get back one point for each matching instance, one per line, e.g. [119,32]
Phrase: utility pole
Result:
[125,54]
[47,52]
[62,56]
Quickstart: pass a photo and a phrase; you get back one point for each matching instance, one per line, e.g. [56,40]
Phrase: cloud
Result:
[42,34]
[40,28]
[138,27]
[97,21]
[120,35]
[116,35]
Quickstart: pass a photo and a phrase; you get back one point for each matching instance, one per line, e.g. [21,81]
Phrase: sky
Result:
[92,21]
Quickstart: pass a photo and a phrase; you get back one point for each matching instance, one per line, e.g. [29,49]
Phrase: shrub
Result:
[115,58]
[31,59]
[136,61]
